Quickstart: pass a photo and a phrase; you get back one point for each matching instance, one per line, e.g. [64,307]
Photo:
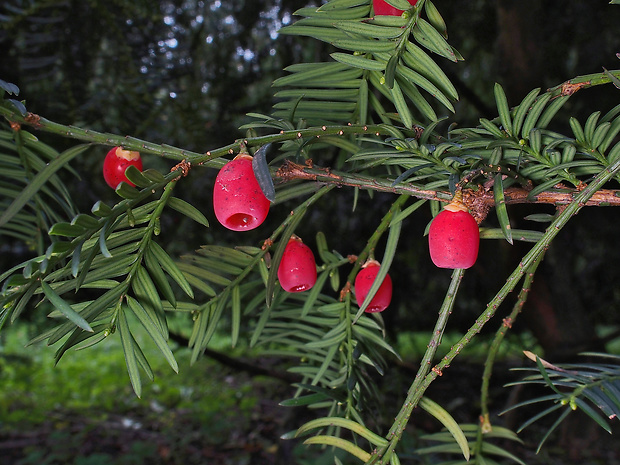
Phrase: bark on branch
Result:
[479,201]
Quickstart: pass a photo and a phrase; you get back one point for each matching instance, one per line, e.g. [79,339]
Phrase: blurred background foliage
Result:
[185,72]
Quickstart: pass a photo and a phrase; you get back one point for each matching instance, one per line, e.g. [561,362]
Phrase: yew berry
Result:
[363,282]
[238,201]
[381,7]
[116,162]
[454,237]
[297,270]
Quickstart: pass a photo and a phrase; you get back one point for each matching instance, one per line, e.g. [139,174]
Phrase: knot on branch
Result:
[184,166]
[33,120]
[477,201]
[568,88]
[344,291]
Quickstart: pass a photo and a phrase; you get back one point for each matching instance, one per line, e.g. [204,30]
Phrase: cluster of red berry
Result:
[240,205]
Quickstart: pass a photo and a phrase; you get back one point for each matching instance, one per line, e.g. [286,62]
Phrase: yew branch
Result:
[479,200]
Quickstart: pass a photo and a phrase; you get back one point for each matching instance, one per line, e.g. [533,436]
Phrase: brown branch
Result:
[479,200]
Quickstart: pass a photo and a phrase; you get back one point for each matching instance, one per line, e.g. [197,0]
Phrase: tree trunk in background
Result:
[519,56]
[554,313]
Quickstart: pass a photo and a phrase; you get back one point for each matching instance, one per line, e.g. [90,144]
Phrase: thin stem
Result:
[414,394]
[210,157]
[290,171]
[485,422]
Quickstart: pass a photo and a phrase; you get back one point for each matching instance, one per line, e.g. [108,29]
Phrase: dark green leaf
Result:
[75,259]
[533,114]
[85,221]
[401,105]
[92,310]
[151,328]
[577,130]
[64,308]
[427,36]
[434,17]
[551,111]
[171,268]
[236,315]
[158,276]
[615,81]
[153,175]
[134,175]
[358,61]
[412,92]
[557,422]
[101,209]
[492,128]
[599,135]
[400,4]
[390,70]
[38,181]
[369,30]
[448,421]
[103,247]
[502,108]
[129,343]
[146,293]
[188,210]
[66,229]
[125,191]
[522,110]
[500,207]
[425,84]
[540,217]
[364,45]
[419,61]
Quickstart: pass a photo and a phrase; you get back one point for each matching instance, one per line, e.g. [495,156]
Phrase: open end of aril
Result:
[240,221]
[374,308]
[300,288]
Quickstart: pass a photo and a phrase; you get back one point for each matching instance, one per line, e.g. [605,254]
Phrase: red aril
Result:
[116,162]
[454,237]
[297,270]
[381,7]
[238,200]
[363,282]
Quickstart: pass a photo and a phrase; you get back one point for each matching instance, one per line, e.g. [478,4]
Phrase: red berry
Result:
[381,7]
[363,282]
[116,162]
[238,201]
[297,270]
[454,237]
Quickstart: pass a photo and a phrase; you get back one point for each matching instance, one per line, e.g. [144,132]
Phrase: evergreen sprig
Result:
[574,386]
